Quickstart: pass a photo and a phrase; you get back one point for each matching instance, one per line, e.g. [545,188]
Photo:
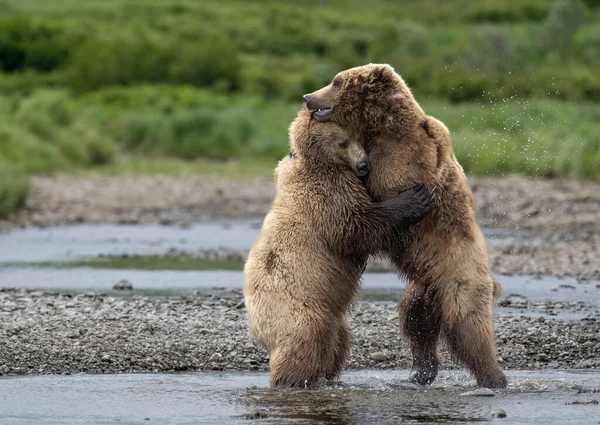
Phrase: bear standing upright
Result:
[303,272]
[451,289]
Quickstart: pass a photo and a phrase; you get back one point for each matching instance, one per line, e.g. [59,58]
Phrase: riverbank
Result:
[548,226]
[510,202]
[50,332]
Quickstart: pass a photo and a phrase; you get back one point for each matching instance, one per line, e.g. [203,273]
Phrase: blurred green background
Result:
[126,86]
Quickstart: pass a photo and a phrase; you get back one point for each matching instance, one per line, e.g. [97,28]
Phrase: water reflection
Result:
[345,404]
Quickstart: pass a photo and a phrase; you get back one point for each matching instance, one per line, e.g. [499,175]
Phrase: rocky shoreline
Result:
[549,226]
[49,333]
[509,202]
[545,227]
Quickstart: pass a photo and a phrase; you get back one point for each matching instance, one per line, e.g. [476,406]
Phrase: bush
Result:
[191,134]
[120,61]
[563,21]
[45,113]
[25,44]
[212,61]
[24,150]
[154,98]
[14,187]
[94,146]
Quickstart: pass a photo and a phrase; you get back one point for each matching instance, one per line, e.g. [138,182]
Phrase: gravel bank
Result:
[550,226]
[514,202]
[61,333]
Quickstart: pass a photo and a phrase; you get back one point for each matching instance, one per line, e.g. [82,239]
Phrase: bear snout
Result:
[363,167]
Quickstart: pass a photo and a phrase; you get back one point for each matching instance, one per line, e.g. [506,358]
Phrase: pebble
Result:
[379,356]
[498,413]
[479,392]
[123,285]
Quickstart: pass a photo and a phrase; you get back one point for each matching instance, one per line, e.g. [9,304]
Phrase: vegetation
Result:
[161,262]
[152,262]
[94,84]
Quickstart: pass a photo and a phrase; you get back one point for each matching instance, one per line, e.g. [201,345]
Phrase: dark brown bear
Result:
[303,272]
[450,290]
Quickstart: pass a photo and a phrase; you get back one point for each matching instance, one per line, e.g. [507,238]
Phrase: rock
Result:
[123,285]
[479,392]
[215,356]
[588,344]
[379,356]
[228,295]
[504,302]
[583,402]
[498,413]
[73,334]
[542,357]
[9,306]
[256,415]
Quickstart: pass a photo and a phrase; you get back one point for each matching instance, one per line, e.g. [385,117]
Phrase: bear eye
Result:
[344,144]
[337,83]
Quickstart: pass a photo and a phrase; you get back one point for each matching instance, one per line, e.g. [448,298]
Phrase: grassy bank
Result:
[179,87]
[538,137]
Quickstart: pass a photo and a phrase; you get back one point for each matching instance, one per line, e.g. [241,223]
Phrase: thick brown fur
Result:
[303,272]
[451,290]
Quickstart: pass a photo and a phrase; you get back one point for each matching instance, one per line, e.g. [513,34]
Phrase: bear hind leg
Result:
[302,358]
[342,350]
[470,338]
[421,322]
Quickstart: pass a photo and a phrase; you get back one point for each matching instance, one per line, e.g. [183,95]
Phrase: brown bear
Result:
[450,287]
[303,272]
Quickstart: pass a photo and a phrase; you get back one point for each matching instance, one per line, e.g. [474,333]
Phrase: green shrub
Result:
[45,113]
[211,61]
[154,98]
[14,187]
[191,134]
[26,44]
[119,61]
[24,150]
[563,21]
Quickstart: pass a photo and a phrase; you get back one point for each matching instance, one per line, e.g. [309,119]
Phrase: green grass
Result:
[156,262]
[152,262]
[533,137]
[14,187]
[233,168]
[181,87]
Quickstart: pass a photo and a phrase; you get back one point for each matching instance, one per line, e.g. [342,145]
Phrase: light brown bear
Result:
[303,272]
[450,288]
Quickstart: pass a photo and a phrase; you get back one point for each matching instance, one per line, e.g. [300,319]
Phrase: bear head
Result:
[322,144]
[367,100]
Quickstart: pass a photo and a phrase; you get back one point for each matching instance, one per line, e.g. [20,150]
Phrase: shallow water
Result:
[376,286]
[76,242]
[364,397]
[73,242]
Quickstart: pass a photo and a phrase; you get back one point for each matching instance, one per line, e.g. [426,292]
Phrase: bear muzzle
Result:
[363,167]
[318,109]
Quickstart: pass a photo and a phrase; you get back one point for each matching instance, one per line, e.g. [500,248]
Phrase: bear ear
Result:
[382,73]
[434,128]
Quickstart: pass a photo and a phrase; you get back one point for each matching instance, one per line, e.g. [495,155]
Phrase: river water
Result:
[364,397]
